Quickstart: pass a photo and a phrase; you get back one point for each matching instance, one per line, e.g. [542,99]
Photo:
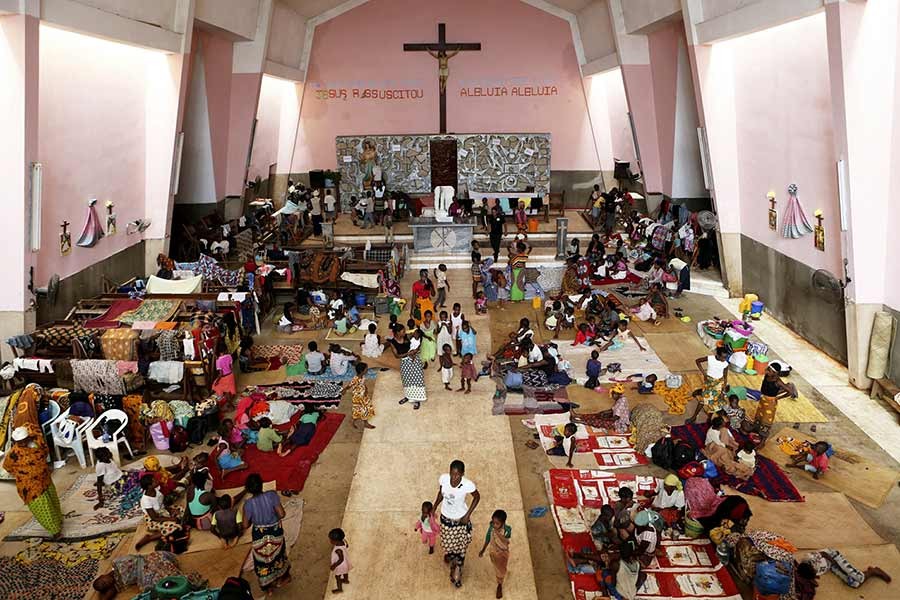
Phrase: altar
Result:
[431,236]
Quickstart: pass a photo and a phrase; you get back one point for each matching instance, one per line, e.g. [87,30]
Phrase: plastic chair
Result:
[53,408]
[117,437]
[69,434]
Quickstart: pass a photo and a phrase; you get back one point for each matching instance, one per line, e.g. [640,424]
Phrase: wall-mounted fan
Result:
[50,291]
[707,220]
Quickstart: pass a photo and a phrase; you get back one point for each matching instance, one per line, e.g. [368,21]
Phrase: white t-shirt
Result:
[314,361]
[110,472]
[284,321]
[441,277]
[339,362]
[362,204]
[715,368]
[651,537]
[535,354]
[666,500]
[714,437]
[152,502]
[329,202]
[454,505]
[316,206]
[567,444]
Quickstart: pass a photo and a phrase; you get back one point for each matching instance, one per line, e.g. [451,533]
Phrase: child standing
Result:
[468,373]
[446,366]
[456,320]
[467,339]
[521,219]
[340,559]
[476,268]
[428,526]
[224,386]
[480,304]
[443,286]
[363,408]
[734,413]
[444,331]
[497,539]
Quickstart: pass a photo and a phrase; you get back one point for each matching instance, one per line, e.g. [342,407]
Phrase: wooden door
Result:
[443,163]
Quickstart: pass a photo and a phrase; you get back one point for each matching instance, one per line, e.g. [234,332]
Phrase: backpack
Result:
[663,452]
[773,577]
[178,439]
[682,454]
[196,430]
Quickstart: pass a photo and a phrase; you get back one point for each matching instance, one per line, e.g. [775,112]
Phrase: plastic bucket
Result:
[756,307]
[360,299]
[532,225]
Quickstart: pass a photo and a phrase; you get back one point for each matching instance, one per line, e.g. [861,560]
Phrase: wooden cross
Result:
[439,51]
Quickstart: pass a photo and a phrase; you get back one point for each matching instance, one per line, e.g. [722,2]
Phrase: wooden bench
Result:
[887,390]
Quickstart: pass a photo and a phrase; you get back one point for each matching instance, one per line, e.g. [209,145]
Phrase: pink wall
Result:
[217,57]
[268,115]
[609,118]
[639,88]
[663,45]
[91,142]
[363,48]
[783,123]
[244,96]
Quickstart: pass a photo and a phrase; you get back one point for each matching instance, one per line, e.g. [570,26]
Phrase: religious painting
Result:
[404,161]
[819,236]
[368,162]
[110,219]
[773,214]
[65,239]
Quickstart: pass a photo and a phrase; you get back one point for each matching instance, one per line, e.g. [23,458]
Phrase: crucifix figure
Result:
[443,52]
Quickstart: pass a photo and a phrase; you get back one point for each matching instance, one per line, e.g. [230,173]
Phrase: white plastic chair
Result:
[53,407]
[117,436]
[69,434]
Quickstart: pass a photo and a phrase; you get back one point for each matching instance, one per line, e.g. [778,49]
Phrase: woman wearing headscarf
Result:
[263,513]
[26,411]
[27,462]
[669,500]
[771,391]
[617,418]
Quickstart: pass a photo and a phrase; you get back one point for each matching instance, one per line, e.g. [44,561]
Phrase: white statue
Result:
[443,197]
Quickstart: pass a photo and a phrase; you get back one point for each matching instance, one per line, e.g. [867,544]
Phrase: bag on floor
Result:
[673,381]
[159,433]
[682,454]
[178,439]
[196,430]
[235,588]
[773,577]
[663,453]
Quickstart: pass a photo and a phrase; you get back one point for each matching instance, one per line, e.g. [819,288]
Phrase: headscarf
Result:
[26,411]
[617,389]
[152,465]
[672,480]
[649,517]
[29,464]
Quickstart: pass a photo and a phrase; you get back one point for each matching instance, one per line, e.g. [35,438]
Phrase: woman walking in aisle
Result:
[456,525]
[411,373]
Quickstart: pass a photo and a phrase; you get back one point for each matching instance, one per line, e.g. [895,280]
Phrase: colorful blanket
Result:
[110,319]
[769,481]
[151,310]
[684,569]
[287,353]
[325,394]
[121,511]
[594,447]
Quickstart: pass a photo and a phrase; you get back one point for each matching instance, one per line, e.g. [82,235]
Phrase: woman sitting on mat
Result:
[622,335]
[721,448]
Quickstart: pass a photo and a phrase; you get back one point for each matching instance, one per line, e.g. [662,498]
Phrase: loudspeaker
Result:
[317,179]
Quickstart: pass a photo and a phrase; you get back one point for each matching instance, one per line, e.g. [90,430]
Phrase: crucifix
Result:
[443,51]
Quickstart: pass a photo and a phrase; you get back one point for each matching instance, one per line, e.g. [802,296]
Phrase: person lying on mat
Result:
[816,564]
[143,571]
[229,460]
[301,432]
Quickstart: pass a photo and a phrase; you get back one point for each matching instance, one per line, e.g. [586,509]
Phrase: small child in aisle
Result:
[447,363]
[340,559]
[428,526]
[468,373]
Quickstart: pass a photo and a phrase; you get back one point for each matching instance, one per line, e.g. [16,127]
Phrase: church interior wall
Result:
[92,142]
[526,72]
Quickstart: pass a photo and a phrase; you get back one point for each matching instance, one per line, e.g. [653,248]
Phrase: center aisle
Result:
[398,468]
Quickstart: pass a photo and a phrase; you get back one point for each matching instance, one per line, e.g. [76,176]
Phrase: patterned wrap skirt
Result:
[713,399]
[46,510]
[765,415]
[413,379]
[455,539]
[270,560]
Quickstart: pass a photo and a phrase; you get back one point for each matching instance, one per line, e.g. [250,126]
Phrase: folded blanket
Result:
[98,376]
[157,285]
[166,371]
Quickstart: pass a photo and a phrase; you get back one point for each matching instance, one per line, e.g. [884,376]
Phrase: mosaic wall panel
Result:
[505,162]
[404,159]
[487,162]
